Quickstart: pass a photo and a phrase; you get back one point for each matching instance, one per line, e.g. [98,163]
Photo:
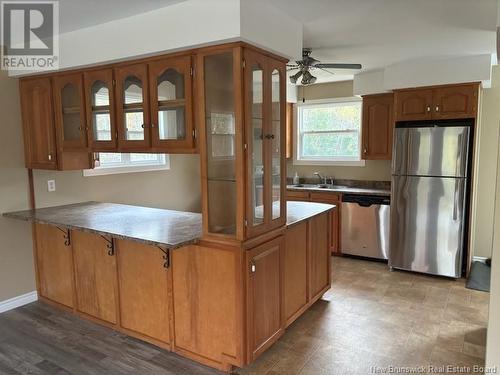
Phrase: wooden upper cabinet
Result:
[437,103]
[132,104]
[378,126]
[453,102]
[415,104]
[264,294]
[38,123]
[69,108]
[170,85]
[100,109]
[265,139]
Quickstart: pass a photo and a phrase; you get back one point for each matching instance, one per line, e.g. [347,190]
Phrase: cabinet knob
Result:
[253,268]
[152,125]
[437,108]
[428,108]
[365,150]
[49,156]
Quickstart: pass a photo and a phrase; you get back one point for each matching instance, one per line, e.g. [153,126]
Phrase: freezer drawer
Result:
[427,224]
[431,151]
[365,228]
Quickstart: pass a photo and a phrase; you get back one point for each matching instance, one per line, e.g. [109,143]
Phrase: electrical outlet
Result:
[51,185]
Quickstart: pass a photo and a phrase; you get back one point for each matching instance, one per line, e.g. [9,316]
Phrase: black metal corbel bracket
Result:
[166,256]
[110,245]
[66,236]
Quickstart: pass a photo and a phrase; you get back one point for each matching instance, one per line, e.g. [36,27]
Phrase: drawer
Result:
[326,197]
[293,195]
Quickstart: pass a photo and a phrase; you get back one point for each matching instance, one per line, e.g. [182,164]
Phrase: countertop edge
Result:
[310,216]
[169,246]
[359,191]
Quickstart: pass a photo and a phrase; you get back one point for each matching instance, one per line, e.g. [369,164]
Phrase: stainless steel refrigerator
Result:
[428,205]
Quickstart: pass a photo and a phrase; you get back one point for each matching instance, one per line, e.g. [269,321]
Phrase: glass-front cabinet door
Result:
[171,104]
[102,132]
[220,124]
[132,115]
[264,115]
[69,107]
[277,141]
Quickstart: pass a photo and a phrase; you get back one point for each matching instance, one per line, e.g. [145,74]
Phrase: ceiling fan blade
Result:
[338,66]
[323,69]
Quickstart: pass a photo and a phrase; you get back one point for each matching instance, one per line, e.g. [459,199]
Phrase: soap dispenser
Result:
[296,179]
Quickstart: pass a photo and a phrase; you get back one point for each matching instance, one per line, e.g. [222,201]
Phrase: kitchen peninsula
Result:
[145,272]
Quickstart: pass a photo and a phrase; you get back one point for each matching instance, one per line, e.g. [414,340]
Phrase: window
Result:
[329,132]
[113,163]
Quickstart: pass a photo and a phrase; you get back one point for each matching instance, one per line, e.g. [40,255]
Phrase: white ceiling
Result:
[78,14]
[378,33]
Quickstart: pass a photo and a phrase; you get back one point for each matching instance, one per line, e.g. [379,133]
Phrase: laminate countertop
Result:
[340,189]
[152,226]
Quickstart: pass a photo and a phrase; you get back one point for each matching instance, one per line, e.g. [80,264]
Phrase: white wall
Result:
[16,254]
[485,164]
[493,340]
[265,26]
[184,25]
[425,72]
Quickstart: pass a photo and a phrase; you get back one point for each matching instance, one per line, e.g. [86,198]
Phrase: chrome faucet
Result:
[322,180]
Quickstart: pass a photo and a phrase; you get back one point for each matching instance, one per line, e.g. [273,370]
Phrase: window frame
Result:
[130,167]
[298,159]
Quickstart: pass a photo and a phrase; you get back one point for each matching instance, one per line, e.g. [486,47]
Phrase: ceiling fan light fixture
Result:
[308,78]
[295,77]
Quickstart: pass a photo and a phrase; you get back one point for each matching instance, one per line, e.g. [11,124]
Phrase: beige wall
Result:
[16,259]
[493,342]
[374,170]
[485,167]
[177,188]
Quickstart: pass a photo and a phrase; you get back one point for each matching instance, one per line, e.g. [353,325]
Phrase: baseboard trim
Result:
[18,301]
[479,259]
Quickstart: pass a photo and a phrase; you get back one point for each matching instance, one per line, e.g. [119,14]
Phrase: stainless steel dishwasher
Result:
[365,225]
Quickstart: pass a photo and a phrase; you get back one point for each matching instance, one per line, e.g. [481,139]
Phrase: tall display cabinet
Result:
[241,120]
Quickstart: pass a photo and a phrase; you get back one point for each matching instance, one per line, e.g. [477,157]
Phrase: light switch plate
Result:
[51,185]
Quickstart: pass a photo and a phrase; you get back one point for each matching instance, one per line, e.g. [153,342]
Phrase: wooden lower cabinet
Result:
[95,276]
[336,199]
[145,289]
[221,305]
[264,286]
[206,307]
[295,272]
[319,256]
[54,264]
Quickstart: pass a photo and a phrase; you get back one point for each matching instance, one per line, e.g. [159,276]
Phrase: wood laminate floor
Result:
[371,318]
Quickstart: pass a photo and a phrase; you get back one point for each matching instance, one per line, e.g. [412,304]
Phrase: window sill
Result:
[120,170]
[344,163]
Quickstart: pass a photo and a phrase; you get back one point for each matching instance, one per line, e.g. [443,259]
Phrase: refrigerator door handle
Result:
[458,199]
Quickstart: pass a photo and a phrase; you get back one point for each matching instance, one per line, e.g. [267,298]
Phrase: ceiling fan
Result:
[309,63]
